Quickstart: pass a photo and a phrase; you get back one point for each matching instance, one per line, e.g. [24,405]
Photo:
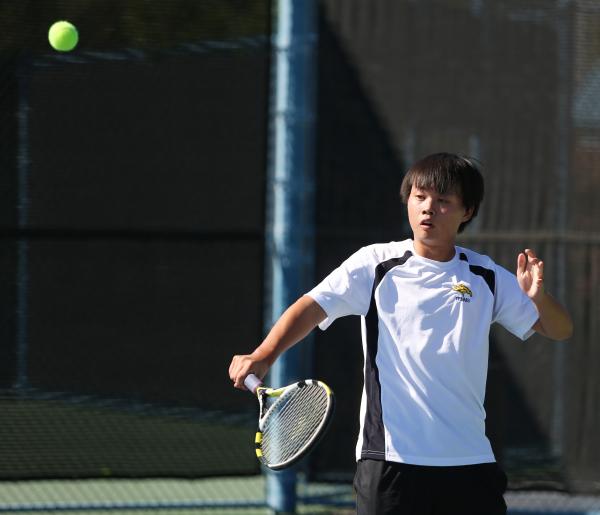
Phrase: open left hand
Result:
[530,274]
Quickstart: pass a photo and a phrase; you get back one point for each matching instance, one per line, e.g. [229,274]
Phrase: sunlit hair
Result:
[447,173]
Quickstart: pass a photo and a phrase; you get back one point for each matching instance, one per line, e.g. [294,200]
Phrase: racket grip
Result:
[252,382]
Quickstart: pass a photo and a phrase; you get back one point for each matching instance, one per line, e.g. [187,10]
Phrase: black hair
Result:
[447,173]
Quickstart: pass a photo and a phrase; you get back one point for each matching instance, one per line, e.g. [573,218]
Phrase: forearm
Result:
[297,321]
[554,320]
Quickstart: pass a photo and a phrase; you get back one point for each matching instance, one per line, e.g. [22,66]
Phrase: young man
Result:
[426,308]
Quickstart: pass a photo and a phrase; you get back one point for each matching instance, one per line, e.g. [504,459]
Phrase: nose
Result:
[428,207]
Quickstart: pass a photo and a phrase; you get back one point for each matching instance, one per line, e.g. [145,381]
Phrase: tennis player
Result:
[426,307]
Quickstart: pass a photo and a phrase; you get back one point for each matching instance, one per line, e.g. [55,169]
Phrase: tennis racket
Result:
[291,419]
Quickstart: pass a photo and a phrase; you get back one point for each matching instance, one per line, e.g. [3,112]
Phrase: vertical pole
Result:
[563,20]
[290,188]
[22,279]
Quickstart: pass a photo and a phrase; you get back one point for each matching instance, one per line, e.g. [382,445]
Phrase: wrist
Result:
[540,298]
[260,356]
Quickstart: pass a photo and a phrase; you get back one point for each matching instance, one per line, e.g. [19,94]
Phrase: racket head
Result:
[294,423]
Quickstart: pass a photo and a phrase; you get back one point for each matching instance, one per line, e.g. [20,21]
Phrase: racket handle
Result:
[252,382]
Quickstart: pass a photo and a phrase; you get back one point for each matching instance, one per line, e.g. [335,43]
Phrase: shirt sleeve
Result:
[346,290]
[513,309]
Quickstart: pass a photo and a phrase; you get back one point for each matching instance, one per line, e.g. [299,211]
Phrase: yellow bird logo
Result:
[462,289]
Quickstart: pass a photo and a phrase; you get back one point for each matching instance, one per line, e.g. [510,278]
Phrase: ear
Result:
[468,214]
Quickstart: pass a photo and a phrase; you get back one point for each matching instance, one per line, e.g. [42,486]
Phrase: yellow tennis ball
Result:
[63,36]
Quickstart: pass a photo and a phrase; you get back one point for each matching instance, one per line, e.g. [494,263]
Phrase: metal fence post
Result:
[289,221]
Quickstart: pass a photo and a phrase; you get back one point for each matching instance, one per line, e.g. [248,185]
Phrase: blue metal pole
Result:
[290,211]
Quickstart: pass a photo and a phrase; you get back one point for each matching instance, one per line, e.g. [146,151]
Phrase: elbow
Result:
[559,333]
[567,327]
[565,332]
[568,330]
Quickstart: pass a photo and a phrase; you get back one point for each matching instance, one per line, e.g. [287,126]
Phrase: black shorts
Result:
[385,487]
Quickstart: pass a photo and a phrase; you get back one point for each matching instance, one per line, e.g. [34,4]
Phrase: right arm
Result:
[295,323]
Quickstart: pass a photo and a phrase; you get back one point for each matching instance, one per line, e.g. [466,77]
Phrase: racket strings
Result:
[293,423]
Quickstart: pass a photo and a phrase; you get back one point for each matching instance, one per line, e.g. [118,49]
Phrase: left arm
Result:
[554,320]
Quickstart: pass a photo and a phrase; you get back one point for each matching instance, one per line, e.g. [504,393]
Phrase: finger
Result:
[530,254]
[239,375]
[540,272]
[239,383]
[235,374]
[232,368]
[235,377]
[521,263]
[526,266]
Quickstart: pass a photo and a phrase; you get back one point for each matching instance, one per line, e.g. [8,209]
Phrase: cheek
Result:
[451,211]
[412,210]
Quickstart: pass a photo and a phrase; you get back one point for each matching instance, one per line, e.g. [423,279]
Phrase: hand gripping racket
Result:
[291,419]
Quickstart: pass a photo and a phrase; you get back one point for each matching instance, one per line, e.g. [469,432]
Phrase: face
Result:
[435,218]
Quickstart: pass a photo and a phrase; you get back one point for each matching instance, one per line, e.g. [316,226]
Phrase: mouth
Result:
[426,224]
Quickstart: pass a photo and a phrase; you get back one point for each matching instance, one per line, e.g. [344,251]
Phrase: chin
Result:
[432,241]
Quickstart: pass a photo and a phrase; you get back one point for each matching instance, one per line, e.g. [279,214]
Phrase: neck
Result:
[439,252]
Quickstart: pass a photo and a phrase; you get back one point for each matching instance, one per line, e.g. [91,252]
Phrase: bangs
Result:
[437,179]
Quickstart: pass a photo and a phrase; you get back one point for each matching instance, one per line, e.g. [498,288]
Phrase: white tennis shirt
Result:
[425,332]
